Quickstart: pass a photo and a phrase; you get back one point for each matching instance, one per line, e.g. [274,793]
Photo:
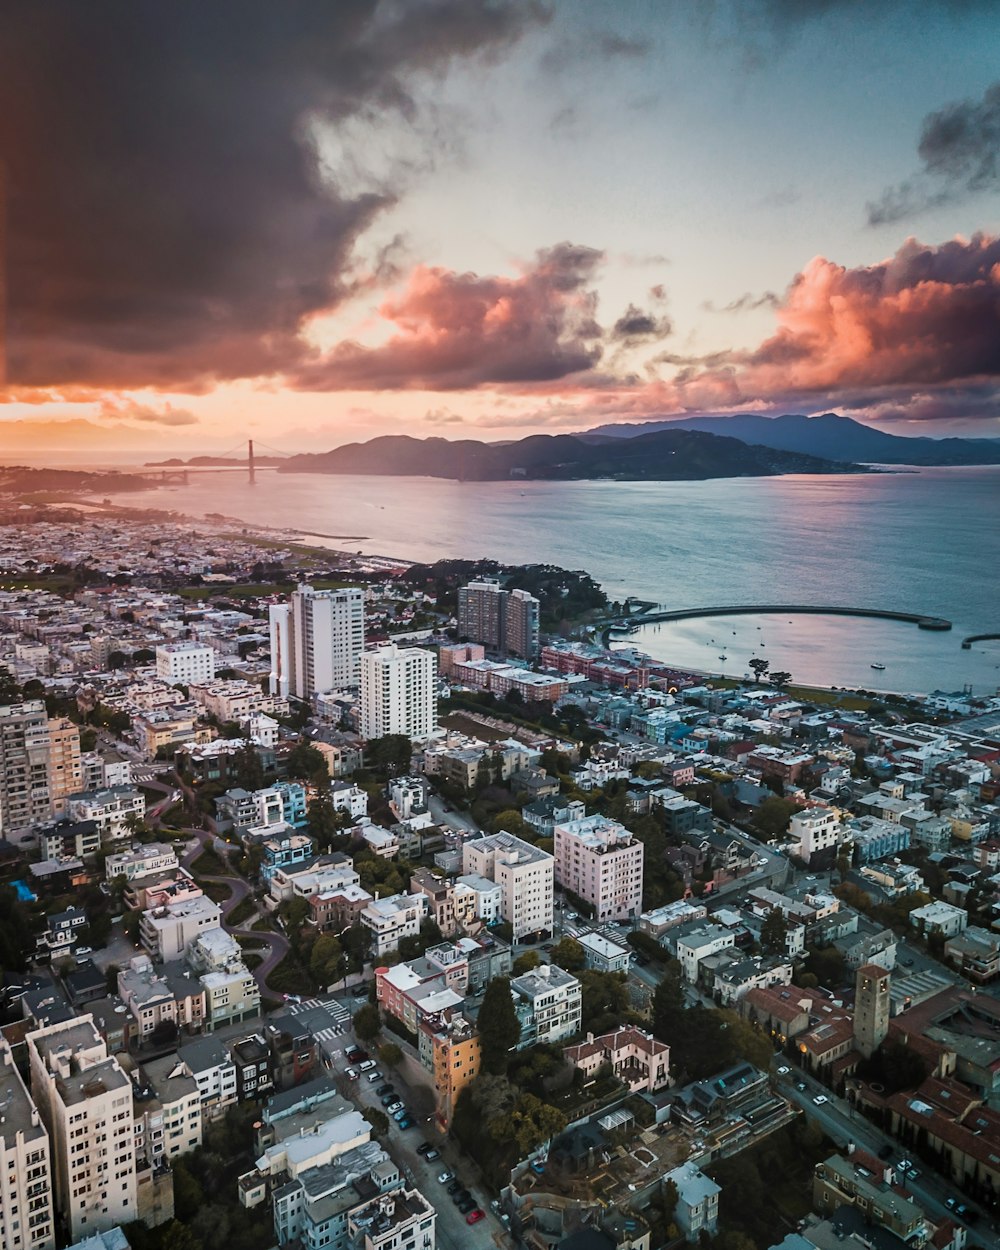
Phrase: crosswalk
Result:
[338,1015]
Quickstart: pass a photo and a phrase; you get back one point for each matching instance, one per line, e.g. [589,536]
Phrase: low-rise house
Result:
[603,954]
[140,861]
[975,953]
[656,923]
[697,1209]
[939,918]
[391,919]
[349,798]
[548,1002]
[733,975]
[167,932]
[697,944]
[63,929]
[209,1062]
[114,811]
[636,1058]
[840,1181]
[782,1012]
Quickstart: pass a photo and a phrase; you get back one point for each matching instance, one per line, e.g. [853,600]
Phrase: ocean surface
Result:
[925,541]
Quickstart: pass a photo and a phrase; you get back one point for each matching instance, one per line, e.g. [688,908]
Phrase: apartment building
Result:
[167,932]
[501,620]
[813,831]
[403,1218]
[316,641]
[524,874]
[140,861]
[697,1209]
[391,919]
[548,1002]
[398,692]
[167,1110]
[182,663]
[65,763]
[210,1064]
[26,1217]
[636,1058]
[601,862]
[85,1101]
[113,810]
[25,796]
[453,1043]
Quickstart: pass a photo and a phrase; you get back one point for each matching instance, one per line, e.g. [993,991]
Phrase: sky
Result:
[315,222]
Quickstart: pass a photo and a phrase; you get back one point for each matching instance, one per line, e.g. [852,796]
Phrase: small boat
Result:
[722,657]
[880,667]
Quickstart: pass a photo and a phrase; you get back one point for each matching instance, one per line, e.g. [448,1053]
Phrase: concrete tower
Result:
[871,1008]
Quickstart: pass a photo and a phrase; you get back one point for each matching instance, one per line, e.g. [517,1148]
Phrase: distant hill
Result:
[667,455]
[213,462]
[830,436]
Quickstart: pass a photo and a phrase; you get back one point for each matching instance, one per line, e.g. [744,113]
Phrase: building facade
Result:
[316,641]
[398,692]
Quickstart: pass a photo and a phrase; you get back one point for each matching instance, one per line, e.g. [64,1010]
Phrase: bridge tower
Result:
[252,478]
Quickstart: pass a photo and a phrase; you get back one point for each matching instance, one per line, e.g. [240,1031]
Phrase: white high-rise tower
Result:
[398,692]
[316,641]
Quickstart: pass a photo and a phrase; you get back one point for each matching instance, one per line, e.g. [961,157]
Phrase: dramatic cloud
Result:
[459,331]
[921,323]
[129,410]
[172,219]
[960,150]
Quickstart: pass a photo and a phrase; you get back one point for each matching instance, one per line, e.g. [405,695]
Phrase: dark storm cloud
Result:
[960,150]
[635,325]
[168,221]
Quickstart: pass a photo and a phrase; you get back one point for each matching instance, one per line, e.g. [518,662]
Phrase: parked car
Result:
[356,1054]
[820,1099]
[399,1113]
[375,1076]
[366,1065]
[388,1099]
[360,991]
[384,1089]
[460,1195]
[424,1147]
[475,1216]
[406,1122]
[393,1105]
[468,1205]
[351,1074]
[83,950]
[432,1154]
[455,1186]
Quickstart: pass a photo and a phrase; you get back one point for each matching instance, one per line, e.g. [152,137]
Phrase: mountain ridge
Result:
[660,455]
[829,435]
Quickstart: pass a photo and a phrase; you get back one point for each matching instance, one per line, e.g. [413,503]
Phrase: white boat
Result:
[880,667]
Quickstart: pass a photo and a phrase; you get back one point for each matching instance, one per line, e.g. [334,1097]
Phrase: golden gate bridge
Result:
[251,464]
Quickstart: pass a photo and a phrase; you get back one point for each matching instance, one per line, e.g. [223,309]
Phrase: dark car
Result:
[468,1205]
[423,1148]
[389,1098]
[360,991]
[384,1089]
[463,1195]
[455,1187]
[406,1122]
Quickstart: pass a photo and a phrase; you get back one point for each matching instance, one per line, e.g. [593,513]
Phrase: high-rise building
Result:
[25,797]
[503,620]
[85,1102]
[398,692]
[26,1221]
[871,1008]
[522,632]
[316,641]
[481,610]
[65,763]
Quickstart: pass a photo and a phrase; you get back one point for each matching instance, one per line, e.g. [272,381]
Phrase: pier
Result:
[937,623]
[967,642]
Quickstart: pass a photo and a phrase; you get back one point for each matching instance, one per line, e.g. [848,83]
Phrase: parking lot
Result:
[453,1233]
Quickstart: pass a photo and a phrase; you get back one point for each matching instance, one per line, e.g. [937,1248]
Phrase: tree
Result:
[759,667]
[772,816]
[247,770]
[390,756]
[377,1119]
[326,961]
[304,760]
[390,1054]
[525,962]
[367,1023]
[773,932]
[499,1027]
[668,1001]
[325,822]
[569,955]
[780,678]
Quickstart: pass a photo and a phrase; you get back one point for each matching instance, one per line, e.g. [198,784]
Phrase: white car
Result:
[84,950]
[445,1177]
[366,1066]
[820,1099]
[784,1070]
[375,1076]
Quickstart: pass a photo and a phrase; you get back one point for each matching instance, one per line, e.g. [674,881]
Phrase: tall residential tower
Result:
[398,692]
[316,641]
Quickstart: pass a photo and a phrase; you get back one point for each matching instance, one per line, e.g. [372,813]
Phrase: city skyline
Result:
[488,220]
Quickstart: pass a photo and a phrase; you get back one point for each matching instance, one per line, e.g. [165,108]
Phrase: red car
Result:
[475,1216]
